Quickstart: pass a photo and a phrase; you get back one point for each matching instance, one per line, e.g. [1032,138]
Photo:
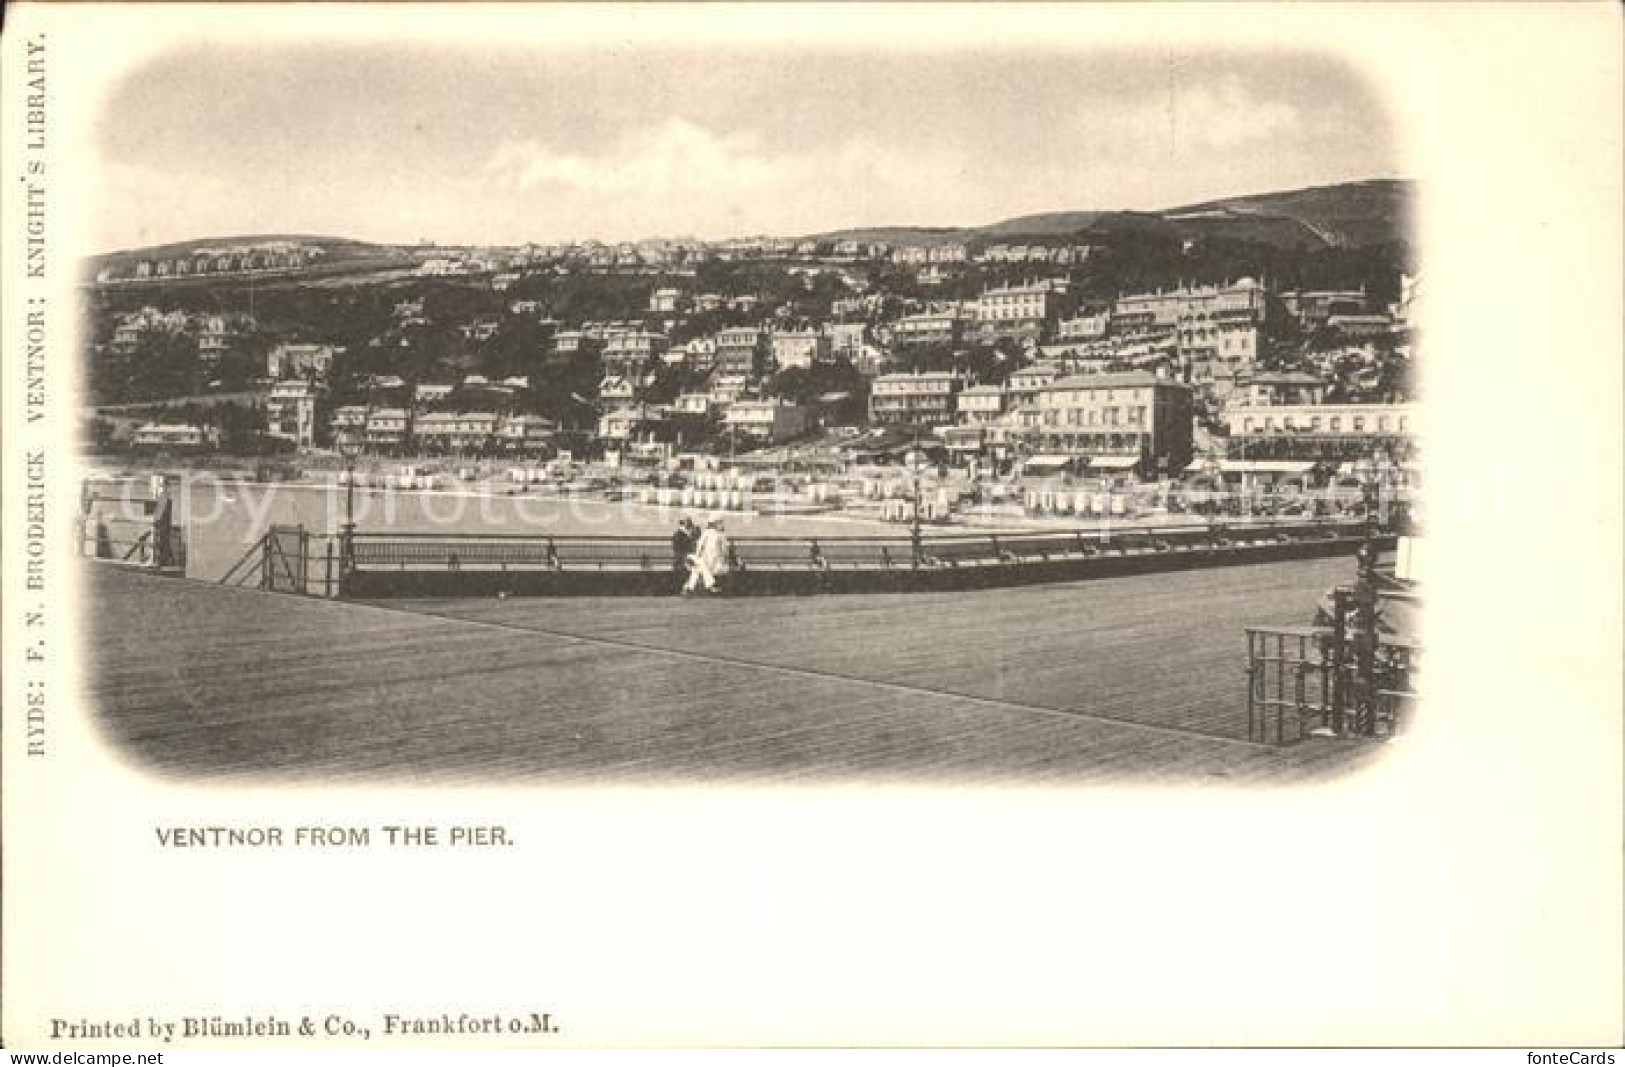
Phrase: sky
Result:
[401,143]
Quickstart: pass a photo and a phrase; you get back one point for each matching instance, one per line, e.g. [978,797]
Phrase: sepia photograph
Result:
[806,525]
[642,416]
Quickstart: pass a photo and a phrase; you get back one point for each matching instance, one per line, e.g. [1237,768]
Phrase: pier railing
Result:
[435,551]
[137,543]
[1313,680]
[386,564]
[289,559]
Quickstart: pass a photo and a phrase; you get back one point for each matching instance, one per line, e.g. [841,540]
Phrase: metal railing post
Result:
[1339,639]
[1366,651]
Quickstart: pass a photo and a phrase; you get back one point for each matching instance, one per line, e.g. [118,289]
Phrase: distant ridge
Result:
[1346,215]
[1351,214]
[337,249]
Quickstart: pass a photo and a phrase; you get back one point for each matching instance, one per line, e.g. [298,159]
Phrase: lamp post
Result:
[1214,469]
[347,528]
[1373,472]
[915,461]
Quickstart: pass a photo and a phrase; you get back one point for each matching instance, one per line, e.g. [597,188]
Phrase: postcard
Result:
[564,526]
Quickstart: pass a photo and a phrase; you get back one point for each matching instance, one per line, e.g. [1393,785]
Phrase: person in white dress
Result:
[710,559]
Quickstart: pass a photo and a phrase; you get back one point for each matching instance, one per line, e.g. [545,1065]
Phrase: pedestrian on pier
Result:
[710,559]
[684,543]
[163,529]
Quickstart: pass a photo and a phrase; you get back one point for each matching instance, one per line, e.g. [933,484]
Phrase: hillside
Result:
[337,249]
[1080,225]
[1348,215]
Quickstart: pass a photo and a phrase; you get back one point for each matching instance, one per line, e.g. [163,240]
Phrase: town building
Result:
[350,426]
[769,421]
[964,442]
[299,361]
[617,391]
[480,329]
[1244,301]
[846,339]
[699,354]
[928,328]
[1131,420]
[727,388]
[980,404]
[456,432]
[572,344]
[629,352]
[698,405]
[427,393]
[925,399]
[1215,349]
[1361,325]
[742,351]
[1273,388]
[1024,384]
[1020,311]
[799,348]
[666,301]
[290,411]
[527,435]
[640,422]
[1322,431]
[388,430]
[1312,308]
[1081,328]
[871,361]
[218,335]
[173,435]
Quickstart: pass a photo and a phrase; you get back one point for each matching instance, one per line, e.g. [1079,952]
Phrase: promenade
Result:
[1135,679]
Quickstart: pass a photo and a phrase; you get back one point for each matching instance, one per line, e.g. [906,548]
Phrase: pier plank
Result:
[1121,680]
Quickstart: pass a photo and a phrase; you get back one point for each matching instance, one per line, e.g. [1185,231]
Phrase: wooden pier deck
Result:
[1134,679]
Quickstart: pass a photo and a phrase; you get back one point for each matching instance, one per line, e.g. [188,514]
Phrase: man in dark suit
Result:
[683,543]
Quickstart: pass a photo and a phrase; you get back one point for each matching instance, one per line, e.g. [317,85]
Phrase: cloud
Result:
[677,157]
[682,177]
[1217,116]
[1225,115]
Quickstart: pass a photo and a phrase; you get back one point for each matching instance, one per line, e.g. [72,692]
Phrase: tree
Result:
[805,385]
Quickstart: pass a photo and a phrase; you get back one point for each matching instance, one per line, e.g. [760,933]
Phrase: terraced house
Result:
[925,399]
[1160,313]
[1322,431]
[526,435]
[464,433]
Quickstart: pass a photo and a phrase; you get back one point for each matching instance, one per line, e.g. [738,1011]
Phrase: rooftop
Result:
[1133,379]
